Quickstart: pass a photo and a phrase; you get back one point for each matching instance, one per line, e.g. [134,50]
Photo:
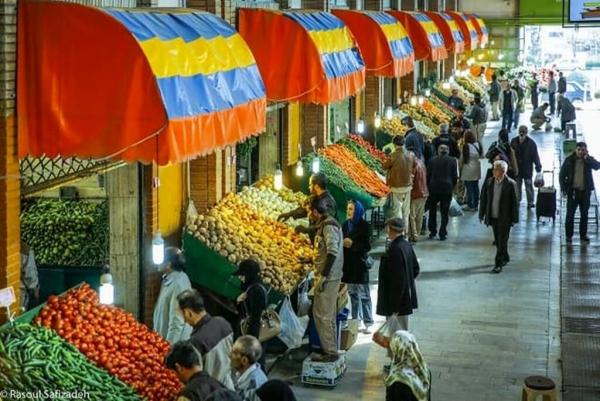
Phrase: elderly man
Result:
[499,208]
[249,377]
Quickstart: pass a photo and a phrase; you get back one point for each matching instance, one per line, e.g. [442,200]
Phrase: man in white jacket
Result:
[249,377]
[508,103]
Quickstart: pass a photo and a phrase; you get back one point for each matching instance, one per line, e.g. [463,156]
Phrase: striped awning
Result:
[467,28]
[425,36]
[303,56]
[136,85]
[453,38]
[481,28]
[382,40]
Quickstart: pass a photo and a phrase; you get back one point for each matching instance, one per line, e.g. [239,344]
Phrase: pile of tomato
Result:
[114,340]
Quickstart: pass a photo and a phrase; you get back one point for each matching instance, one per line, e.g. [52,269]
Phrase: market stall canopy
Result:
[467,28]
[382,40]
[136,85]
[481,28]
[303,56]
[453,38]
[424,35]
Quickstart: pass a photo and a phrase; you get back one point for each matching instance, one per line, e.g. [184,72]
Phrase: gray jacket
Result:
[329,241]
[168,321]
[248,382]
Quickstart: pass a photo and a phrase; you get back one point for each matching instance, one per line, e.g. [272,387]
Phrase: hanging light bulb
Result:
[278,179]
[158,249]
[470,61]
[299,169]
[389,112]
[501,56]
[316,165]
[106,292]
[451,79]
[480,56]
[446,86]
[427,92]
[360,126]
[377,120]
[413,100]
[493,42]
[421,100]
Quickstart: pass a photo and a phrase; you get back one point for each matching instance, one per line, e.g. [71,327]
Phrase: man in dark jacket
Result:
[499,208]
[562,83]
[459,121]
[494,93]
[478,117]
[442,174]
[577,183]
[444,138]
[185,361]
[527,156]
[413,138]
[211,336]
[566,111]
[454,100]
[397,292]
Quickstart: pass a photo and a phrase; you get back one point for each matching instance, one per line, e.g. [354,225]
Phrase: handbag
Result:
[270,322]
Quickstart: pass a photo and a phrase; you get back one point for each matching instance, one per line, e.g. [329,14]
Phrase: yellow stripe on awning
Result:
[332,41]
[393,32]
[169,58]
[429,27]
[453,25]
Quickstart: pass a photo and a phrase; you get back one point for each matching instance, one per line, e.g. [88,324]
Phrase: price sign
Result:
[7,297]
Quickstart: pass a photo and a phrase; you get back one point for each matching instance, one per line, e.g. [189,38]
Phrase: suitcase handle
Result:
[551,172]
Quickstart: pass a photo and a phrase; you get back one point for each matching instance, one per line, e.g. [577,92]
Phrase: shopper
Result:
[552,92]
[501,150]
[520,106]
[444,138]
[185,361]
[400,166]
[275,390]
[414,138]
[538,117]
[418,199]
[329,262]
[442,175]
[357,244]
[527,156]
[30,283]
[168,321]
[534,91]
[409,378]
[499,208]
[566,111]
[470,172]
[562,83]
[460,120]
[478,117]
[508,102]
[397,292]
[576,184]
[317,185]
[454,100]
[211,336]
[494,93]
[248,376]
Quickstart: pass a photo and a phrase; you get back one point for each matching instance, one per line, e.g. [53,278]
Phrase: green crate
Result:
[569,146]
[56,280]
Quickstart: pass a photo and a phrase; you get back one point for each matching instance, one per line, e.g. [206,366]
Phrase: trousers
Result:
[417,209]
[507,118]
[495,112]
[479,130]
[472,194]
[528,189]
[444,201]
[324,306]
[360,298]
[501,234]
[402,199]
[581,200]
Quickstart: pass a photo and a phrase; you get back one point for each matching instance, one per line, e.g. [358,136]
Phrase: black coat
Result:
[527,155]
[355,269]
[254,306]
[442,174]
[567,171]
[398,269]
[200,387]
[509,206]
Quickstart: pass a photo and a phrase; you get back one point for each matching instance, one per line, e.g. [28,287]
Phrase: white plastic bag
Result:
[384,334]
[455,209]
[292,327]
[538,182]
[304,302]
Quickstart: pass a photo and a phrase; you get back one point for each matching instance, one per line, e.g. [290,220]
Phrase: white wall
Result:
[490,8]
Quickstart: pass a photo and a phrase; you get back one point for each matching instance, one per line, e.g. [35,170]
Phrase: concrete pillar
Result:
[373,5]
[315,4]
[409,5]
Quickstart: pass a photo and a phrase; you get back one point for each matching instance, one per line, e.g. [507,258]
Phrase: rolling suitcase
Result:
[545,205]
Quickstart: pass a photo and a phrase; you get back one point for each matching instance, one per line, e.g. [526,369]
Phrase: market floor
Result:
[480,333]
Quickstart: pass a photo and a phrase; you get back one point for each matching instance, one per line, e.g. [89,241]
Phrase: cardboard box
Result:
[323,373]
[349,334]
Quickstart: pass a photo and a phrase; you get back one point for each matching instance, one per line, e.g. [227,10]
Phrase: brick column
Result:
[316,4]
[313,123]
[10,260]
[373,101]
[374,5]
[206,175]
[408,5]
[149,214]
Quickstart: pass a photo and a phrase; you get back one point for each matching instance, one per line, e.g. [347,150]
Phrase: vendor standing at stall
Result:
[30,283]
[329,262]
[168,320]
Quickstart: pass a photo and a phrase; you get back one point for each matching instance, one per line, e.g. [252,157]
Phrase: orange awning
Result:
[453,38]
[424,35]
[480,27]
[303,56]
[467,28]
[382,40]
[136,85]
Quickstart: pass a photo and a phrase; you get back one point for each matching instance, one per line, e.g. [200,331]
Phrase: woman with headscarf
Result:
[275,390]
[409,378]
[356,271]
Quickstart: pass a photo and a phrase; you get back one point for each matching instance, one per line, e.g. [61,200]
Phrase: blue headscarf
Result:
[359,212]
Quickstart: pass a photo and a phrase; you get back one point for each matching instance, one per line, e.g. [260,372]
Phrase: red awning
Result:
[453,38]
[382,40]
[303,56]
[480,27]
[136,85]
[467,28]
[424,35]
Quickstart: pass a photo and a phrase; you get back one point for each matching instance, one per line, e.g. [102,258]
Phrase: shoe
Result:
[431,236]
[497,269]
[413,241]
[367,329]
[569,240]
[325,358]
[442,238]
[585,239]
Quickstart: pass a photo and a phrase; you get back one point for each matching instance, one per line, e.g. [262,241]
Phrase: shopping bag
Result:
[384,334]
[391,208]
[538,182]
[455,209]
[292,326]
[304,302]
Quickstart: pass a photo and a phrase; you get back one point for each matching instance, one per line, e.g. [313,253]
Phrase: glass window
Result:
[339,120]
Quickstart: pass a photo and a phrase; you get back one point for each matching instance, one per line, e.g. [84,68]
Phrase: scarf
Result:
[359,212]
[408,366]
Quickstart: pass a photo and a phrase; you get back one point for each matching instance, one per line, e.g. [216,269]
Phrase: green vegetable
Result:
[363,155]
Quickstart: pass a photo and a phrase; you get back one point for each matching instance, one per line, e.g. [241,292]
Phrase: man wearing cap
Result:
[400,166]
[329,263]
[442,175]
[414,138]
[444,138]
[397,292]
[454,100]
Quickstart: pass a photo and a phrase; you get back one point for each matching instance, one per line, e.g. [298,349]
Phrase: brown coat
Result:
[400,167]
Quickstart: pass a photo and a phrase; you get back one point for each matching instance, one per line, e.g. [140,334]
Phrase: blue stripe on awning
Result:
[342,63]
[188,26]
[211,93]
[457,35]
[436,40]
[316,21]
[421,17]
[401,48]
[382,18]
